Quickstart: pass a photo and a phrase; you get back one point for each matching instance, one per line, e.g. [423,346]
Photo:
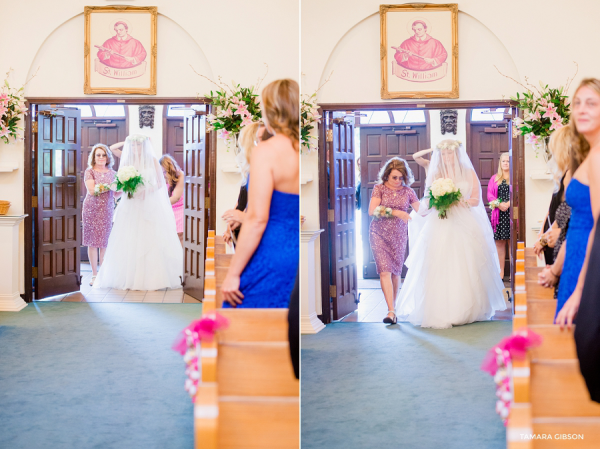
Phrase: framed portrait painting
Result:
[120,50]
[419,51]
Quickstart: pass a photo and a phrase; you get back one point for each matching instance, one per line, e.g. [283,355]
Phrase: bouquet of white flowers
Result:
[443,194]
[128,180]
[494,204]
[382,212]
[101,188]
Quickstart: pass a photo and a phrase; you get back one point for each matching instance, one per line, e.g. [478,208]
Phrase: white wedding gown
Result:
[453,272]
[144,252]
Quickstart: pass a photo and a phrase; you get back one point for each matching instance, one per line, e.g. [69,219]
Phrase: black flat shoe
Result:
[388,320]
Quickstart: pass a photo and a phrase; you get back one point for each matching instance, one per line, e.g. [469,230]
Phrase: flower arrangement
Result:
[236,107]
[442,195]
[128,180]
[546,109]
[101,188]
[453,145]
[498,362]
[495,204]
[309,120]
[12,106]
[188,345]
[382,212]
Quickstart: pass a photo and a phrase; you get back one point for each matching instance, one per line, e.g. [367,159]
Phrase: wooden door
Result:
[174,139]
[377,146]
[58,210]
[93,131]
[342,228]
[486,143]
[194,230]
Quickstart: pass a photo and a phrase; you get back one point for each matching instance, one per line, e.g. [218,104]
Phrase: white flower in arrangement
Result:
[449,145]
[127,172]
[443,186]
[137,138]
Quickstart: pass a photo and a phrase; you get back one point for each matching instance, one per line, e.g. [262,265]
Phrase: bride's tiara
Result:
[137,138]
[449,144]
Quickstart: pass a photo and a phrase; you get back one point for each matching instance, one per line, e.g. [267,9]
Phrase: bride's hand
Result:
[231,290]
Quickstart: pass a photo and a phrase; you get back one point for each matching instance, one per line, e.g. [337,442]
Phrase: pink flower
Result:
[544,102]
[4,132]
[550,111]
[567,101]
[535,116]
[227,113]
[2,110]
[224,134]
[556,124]
[242,109]
[532,139]
[247,120]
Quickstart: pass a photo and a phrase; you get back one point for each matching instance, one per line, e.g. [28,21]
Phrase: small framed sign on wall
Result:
[120,50]
[419,51]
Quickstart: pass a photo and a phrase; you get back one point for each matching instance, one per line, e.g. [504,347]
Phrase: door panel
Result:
[95,131]
[487,142]
[342,229]
[377,146]
[194,228]
[58,214]
[174,139]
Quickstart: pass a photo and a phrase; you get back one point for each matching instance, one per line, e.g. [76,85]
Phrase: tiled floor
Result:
[372,307]
[89,294]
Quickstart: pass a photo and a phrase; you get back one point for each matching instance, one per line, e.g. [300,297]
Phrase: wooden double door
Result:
[378,144]
[60,158]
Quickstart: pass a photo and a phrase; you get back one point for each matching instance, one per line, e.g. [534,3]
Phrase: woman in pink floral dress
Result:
[98,205]
[389,236]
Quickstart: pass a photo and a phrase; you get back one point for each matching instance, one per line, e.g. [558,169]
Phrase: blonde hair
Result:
[110,160]
[172,170]
[580,147]
[560,145]
[500,174]
[246,142]
[281,106]
[399,164]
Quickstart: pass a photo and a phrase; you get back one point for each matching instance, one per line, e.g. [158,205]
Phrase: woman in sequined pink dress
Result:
[388,236]
[175,179]
[97,211]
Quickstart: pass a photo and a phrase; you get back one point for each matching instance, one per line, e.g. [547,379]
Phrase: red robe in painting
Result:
[127,47]
[427,47]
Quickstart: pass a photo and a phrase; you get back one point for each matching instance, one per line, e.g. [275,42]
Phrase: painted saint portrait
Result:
[121,50]
[419,51]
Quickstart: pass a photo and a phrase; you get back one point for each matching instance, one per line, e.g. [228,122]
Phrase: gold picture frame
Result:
[116,62]
[423,66]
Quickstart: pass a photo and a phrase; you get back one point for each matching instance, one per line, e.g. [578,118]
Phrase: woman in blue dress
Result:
[263,269]
[583,196]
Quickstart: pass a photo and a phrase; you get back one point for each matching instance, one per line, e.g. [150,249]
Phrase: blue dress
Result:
[580,226]
[268,279]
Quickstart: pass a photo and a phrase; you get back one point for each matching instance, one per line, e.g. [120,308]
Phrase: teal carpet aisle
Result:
[365,385]
[94,375]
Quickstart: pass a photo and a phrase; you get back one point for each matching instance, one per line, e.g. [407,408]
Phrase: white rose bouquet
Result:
[128,180]
[443,194]
[382,212]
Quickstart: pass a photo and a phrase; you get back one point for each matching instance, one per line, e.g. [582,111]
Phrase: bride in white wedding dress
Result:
[143,252]
[453,272]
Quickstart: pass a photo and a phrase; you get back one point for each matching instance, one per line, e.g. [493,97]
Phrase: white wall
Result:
[204,34]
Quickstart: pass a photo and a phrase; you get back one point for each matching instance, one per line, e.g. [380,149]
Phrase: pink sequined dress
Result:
[388,236]
[97,211]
